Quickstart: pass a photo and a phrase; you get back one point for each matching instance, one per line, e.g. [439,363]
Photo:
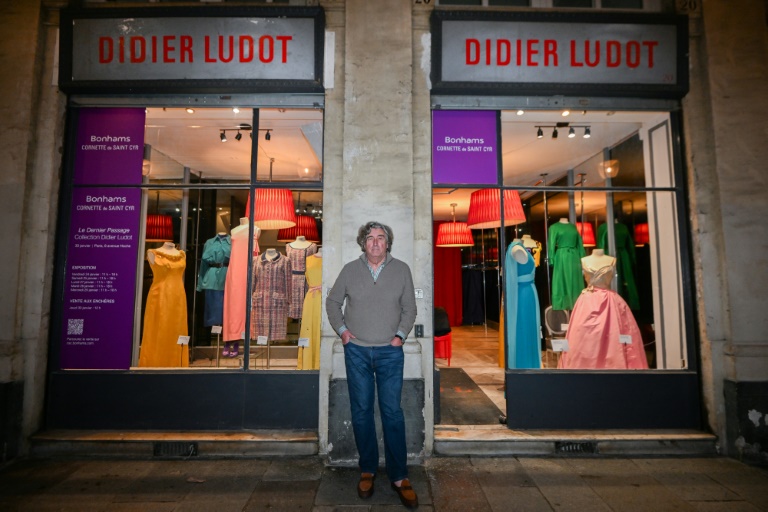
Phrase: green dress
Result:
[565,252]
[625,260]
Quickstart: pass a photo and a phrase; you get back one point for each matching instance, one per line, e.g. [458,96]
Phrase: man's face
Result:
[376,245]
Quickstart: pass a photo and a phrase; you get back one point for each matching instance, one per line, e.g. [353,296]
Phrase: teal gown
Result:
[565,252]
[625,261]
[521,316]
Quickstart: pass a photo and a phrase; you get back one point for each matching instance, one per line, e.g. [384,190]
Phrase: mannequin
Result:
[529,242]
[271,254]
[300,243]
[521,309]
[519,254]
[311,314]
[165,315]
[271,295]
[168,248]
[233,329]
[598,259]
[565,252]
[534,247]
[298,251]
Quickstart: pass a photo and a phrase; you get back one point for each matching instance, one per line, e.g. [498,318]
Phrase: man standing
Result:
[379,313]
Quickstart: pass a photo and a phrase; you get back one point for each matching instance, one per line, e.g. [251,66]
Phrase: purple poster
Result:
[100,282]
[110,146]
[100,279]
[464,147]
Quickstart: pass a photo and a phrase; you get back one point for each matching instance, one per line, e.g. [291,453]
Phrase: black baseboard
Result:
[11,413]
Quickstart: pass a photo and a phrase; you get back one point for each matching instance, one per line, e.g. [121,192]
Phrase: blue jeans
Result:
[385,365]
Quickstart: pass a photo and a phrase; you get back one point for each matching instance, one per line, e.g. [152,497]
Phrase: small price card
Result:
[625,339]
[216,329]
[261,340]
[563,327]
[183,340]
[303,342]
[559,345]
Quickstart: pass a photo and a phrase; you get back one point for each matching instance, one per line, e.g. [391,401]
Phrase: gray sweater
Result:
[374,311]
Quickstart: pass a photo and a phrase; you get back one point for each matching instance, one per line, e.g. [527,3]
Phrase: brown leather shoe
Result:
[365,485]
[407,494]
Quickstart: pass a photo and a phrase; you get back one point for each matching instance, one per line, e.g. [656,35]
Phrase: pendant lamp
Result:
[587,233]
[454,234]
[306,226]
[273,209]
[159,226]
[485,210]
[642,236]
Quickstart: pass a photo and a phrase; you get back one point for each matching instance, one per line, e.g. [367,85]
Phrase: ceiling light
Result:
[566,113]
[539,133]
[235,110]
[223,136]
[554,133]
[571,132]
[587,133]
[520,112]
[238,136]
[190,110]
[267,136]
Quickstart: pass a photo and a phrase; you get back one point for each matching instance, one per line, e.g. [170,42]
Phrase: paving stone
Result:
[622,485]
[339,487]
[455,485]
[561,487]
[686,479]
[165,482]
[723,506]
[506,484]
[295,469]
[294,496]
[341,508]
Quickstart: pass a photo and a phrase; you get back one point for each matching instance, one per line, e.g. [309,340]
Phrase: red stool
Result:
[443,347]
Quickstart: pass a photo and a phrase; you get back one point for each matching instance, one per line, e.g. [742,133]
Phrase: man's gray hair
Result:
[366,229]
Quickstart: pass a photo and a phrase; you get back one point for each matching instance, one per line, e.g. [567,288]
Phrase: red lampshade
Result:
[454,234]
[642,236]
[306,226]
[485,210]
[159,228]
[273,209]
[587,233]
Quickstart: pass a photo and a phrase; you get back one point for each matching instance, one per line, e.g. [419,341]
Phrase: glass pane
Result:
[212,144]
[590,148]
[290,143]
[286,302]
[460,2]
[509,3]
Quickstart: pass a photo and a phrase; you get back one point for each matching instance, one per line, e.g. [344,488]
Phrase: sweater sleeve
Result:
[335,301]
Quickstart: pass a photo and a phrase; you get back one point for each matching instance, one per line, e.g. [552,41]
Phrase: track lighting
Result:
[223,136]
[571,130]
[238,136]
[268,135]
[244,127]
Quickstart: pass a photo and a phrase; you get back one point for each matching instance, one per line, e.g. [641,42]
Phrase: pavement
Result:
[575,483]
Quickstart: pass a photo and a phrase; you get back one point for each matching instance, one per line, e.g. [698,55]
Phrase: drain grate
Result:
[174,449]
[571,447]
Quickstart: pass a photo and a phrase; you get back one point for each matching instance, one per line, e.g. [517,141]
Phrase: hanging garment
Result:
[565,252]
[625,260]
[522,322]
[236,284]
[602,332]
[309,356]
[271,297]
[165,316]
[473,311]
[212,277]
[298,259]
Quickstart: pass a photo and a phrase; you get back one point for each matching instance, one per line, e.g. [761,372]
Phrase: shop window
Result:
[587,272]
[167,233]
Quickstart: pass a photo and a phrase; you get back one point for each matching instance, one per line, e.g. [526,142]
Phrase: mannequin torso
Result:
[271,254]
[168,248]
[300,243]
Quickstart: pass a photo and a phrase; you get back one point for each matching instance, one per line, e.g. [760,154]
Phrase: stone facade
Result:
[377,166]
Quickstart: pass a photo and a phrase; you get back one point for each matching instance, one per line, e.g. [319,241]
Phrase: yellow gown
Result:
[165,317]
[309,357]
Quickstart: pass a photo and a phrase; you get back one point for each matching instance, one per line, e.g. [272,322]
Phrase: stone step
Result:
[143,445]
[455,440]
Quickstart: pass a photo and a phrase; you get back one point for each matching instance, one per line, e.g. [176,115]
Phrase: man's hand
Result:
[346,336]
[396,342]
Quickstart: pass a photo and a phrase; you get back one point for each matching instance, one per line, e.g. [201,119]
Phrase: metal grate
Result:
[174,449]
[570,447]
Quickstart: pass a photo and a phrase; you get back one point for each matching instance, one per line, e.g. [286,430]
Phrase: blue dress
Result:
[521,318]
